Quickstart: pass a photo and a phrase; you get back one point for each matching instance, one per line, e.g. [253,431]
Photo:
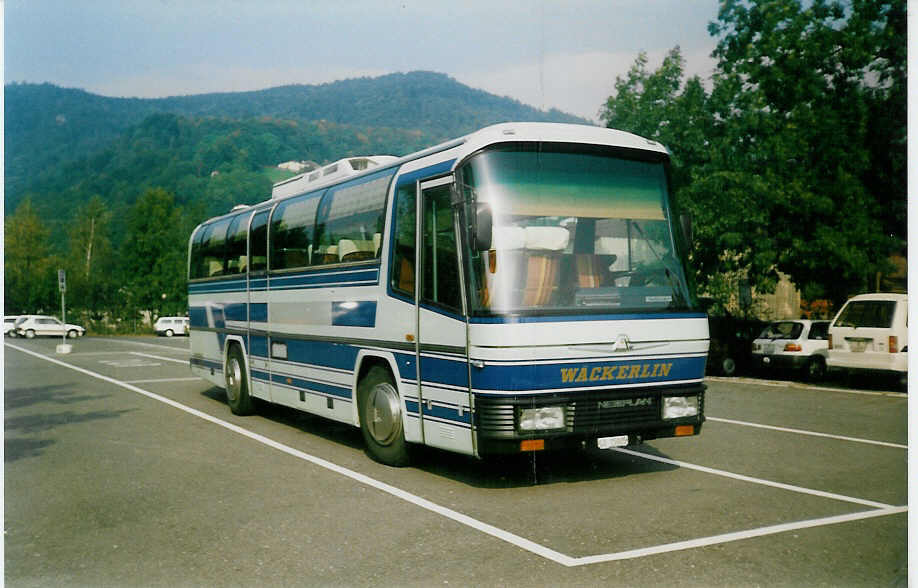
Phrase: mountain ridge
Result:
[48,125]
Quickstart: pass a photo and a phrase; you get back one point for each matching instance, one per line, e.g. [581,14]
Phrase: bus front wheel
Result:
[381,418]
[237,384]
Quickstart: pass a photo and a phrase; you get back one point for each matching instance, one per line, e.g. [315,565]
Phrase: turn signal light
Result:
[893,344]
[793,347]
[532,445]
[830,342]
[684,430]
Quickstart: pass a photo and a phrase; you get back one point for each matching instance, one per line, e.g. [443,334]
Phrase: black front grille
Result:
[588,413]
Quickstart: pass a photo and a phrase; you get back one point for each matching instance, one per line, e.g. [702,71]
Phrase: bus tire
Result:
[237,384]
[381,422]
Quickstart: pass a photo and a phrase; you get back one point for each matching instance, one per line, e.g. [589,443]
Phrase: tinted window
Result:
[440,283]
[207,253]
[236,244]
[350,222]
[292,225]
[258,243]
[867,313]
[819,331]
[405,227]
[782,330]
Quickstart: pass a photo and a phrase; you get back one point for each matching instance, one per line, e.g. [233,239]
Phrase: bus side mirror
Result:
[484,222]
[686,221]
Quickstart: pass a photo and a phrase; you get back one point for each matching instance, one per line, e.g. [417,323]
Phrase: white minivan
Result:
[171,325]
[870,332]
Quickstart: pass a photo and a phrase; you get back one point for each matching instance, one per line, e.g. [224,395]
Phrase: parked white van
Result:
[171,325]
[870,332]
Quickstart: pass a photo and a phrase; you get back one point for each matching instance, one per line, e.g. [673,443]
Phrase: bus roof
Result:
[463,146]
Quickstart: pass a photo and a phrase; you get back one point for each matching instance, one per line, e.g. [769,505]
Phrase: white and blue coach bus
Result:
[522,288]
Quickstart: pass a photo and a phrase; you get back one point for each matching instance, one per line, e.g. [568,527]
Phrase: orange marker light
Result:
[793,347]
[683,430]
[532,445]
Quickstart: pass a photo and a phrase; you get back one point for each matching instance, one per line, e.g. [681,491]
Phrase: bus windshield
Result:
[575,228]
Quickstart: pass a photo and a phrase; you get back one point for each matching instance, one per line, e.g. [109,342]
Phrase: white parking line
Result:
[744,478]
[157,380]
[738,536]
[501,534]
[804,432]
[184,361]
[141,343]
[802,386]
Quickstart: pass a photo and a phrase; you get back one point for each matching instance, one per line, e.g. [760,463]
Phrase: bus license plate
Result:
[610,442]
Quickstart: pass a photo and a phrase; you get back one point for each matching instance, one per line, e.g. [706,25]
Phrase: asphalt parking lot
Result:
[123,469]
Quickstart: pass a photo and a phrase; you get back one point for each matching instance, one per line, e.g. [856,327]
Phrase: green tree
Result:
[90,259]
[792,97]
[29,267]
[660,105]
[795,160]
[153,256]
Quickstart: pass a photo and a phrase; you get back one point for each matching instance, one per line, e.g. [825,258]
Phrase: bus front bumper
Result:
[603,418]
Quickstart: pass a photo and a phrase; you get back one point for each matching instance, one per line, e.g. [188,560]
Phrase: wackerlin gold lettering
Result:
[615,372]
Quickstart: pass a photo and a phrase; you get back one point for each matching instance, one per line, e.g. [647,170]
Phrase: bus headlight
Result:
[542,419]
[675,407]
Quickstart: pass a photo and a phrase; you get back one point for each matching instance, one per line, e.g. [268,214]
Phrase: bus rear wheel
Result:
[237,384]
[380,411]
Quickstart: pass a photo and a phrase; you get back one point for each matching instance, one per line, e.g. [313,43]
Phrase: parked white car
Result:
[32,325]
[797,345]
[870,332]
[171,325]
[9,326]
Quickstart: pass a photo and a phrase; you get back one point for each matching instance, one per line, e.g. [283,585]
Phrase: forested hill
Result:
[47,126]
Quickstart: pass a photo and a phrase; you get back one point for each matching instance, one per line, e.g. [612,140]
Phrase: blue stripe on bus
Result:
[309,385]
[333,355]
[323,280]
[605,374]
[236,311]
[354,314]
[258,346]
[233,311]
[197,316]
[236,285]
[258,312]
[420,174]
[309,279]
[505,320]
[443,413]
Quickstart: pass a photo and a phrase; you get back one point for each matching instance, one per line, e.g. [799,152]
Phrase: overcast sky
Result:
[547,53]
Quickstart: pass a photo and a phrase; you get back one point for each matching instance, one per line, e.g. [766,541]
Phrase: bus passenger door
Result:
[442,338]
[259,366]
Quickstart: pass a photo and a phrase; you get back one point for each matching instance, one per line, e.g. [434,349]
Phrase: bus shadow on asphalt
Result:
[305,422]
[507,471]
[536,468]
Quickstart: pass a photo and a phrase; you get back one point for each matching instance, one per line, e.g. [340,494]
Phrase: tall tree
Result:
[29,267]
[660,105]
[792,94]
[153,255]
[90,259]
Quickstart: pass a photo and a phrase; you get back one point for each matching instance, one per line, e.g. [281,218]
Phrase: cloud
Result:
[201,79]
[575,83]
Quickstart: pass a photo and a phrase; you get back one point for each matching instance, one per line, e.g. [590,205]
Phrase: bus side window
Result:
[440,283]
[291,238]
[214,250]
[236,257]
[402,270]
[258,245]
[197,267]
[350,221]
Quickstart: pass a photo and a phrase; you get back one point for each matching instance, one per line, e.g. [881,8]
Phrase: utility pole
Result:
[62,286]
